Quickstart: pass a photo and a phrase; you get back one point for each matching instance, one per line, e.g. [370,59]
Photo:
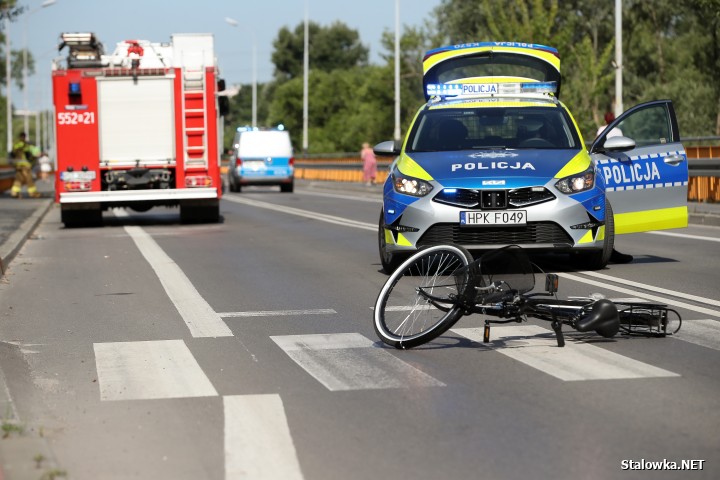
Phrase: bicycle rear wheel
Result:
[403,317]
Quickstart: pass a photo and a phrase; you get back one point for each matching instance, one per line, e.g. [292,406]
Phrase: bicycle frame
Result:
[440,284]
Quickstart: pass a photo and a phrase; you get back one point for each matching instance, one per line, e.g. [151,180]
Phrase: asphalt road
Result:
[149,349]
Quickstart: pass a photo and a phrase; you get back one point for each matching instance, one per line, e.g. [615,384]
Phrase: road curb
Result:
[17,239]
[704,219]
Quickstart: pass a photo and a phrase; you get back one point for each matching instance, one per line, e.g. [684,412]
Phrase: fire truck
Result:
[138,128]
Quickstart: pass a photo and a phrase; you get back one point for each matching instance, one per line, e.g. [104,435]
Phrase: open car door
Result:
[646,185]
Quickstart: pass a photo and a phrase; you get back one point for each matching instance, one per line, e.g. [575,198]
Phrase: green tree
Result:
[708,58]
[330,48]
[670,51]
[240,111]
[345,108]
[11,11]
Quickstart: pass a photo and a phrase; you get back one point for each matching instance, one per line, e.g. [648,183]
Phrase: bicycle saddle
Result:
[603,318]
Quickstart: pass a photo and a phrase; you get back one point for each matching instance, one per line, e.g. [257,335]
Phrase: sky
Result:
[113,21]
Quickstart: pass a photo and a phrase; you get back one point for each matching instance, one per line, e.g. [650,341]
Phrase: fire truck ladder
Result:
[195,118]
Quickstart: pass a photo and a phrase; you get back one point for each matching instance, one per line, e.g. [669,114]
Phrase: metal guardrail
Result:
[697,167]
[704,167]
[337,164]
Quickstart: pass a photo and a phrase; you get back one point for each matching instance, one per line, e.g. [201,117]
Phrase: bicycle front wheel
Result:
[403,316]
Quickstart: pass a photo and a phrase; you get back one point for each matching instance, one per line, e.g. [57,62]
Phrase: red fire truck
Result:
[138,128]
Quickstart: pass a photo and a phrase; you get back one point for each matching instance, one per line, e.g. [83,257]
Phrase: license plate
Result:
[496,217]
[78,176]
[254,166]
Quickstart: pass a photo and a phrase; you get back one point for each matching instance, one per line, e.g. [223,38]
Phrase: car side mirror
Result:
[223,106]
[618,144]
[388,148]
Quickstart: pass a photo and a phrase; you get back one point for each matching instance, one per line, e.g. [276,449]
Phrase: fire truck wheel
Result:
[200,213]
[287,187]
[81,218]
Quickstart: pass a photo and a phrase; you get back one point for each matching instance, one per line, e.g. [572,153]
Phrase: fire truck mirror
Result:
[221,85]
[224,105]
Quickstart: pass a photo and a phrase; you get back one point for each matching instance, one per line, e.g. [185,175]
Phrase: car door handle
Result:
[673,159]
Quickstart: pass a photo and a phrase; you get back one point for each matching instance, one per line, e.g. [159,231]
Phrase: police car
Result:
[494,158]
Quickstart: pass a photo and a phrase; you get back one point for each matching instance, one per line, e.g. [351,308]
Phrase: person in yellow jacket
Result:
[22,158]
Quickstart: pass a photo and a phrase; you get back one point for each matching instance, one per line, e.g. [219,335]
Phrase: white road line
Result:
[705,333]
[345,222]
[258,444]
[278,313]
[663,300]
[198,315]
[576,361]
[149,370]
[350,361]
[653,288]
[685,235]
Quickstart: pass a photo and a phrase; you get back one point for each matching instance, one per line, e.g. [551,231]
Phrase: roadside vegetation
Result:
[671,49]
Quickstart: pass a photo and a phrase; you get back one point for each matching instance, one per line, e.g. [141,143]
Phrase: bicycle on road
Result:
[430,291]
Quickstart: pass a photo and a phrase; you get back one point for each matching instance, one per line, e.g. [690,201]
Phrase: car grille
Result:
[532,233]
[494,199]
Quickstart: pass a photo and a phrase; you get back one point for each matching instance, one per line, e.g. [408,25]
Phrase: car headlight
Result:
[577,183]
[410,185]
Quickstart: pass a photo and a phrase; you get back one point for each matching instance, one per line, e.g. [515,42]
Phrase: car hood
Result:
[494,168]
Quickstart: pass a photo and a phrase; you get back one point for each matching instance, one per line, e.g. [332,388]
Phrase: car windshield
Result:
[265,144]
[473,128]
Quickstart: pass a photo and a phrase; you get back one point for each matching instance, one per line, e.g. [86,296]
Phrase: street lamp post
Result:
[306,74]
[46,3]
[618,59]
[235,23]
[7,81]
[397,70]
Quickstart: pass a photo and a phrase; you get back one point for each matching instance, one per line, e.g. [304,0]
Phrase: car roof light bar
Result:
[473,90]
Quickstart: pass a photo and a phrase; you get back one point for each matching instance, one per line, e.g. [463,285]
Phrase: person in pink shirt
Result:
[369,164]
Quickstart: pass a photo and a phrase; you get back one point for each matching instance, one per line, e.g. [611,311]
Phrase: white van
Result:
[261,157]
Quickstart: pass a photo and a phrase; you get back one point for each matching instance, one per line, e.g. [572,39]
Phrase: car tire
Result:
[287,187]
[599,259]
[389,261]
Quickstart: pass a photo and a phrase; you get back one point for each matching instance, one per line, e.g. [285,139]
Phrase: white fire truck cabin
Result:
[138,128]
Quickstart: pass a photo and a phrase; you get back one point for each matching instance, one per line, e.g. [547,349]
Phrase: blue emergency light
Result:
[74,89]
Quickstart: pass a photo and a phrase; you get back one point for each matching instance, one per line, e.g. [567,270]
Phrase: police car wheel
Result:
[389,261]
[599,260]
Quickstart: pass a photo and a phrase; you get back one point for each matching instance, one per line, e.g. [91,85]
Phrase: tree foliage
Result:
[330,48]
[671,49]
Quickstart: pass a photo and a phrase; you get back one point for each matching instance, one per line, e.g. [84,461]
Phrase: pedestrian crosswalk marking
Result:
[258,444]
[149,370]
[350,361]
[576,361]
